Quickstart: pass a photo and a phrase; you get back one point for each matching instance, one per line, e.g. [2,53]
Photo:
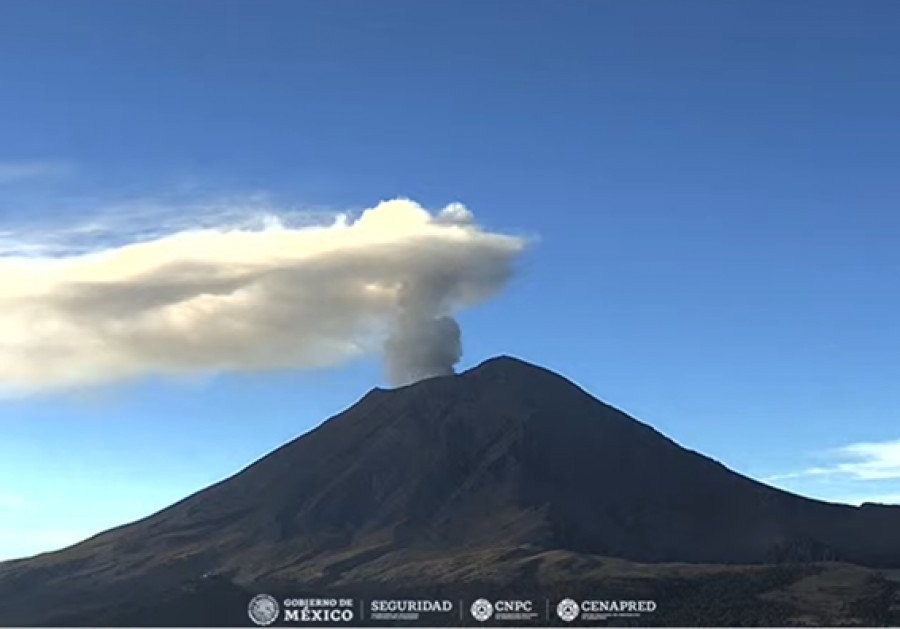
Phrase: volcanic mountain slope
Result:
[498,474]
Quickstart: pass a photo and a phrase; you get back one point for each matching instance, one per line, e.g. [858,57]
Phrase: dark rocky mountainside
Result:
[507,462]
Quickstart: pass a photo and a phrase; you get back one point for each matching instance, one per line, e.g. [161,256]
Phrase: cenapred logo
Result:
[263,610]
[482,610]
[567,610]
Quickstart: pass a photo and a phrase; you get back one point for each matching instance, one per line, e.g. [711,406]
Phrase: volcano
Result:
[507,476]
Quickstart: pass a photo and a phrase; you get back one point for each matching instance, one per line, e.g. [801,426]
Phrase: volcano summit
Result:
[507,478]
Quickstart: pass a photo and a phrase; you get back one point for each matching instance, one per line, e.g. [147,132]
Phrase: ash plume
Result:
[422,347]
[213,300]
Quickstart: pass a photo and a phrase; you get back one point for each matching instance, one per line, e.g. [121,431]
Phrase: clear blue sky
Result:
[713,188]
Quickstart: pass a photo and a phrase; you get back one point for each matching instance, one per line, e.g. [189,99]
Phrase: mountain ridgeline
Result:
[507,460]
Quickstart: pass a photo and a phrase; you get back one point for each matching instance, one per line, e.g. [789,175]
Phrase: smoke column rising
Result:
[422,347]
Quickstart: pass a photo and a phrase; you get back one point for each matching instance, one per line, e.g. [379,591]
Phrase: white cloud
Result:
[851,474]
[862,461]
[858,499]
[870,461]
[11,172]
[86,225]
[275,296]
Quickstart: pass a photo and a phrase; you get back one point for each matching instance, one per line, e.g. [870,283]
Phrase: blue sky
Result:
[710,188]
